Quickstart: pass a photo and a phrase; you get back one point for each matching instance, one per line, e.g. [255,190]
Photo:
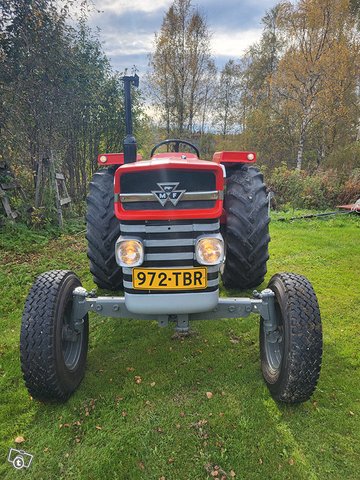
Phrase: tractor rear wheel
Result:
[102,231]
[291,354]
[53,349]
[247,229]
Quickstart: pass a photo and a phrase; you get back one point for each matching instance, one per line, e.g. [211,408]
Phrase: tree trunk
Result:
[300,151]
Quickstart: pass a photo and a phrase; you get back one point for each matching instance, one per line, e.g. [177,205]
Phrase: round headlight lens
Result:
[210,251]
[129,253]
[103,158]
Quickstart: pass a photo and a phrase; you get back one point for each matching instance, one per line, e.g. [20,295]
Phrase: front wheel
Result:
[52,349]
[291,353]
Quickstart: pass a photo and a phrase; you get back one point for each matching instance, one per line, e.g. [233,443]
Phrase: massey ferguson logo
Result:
[168,193]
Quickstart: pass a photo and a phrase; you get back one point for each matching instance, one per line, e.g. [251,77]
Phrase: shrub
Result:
[318,190]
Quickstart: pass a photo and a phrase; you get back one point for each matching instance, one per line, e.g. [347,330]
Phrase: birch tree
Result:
[318,35]
[181,67]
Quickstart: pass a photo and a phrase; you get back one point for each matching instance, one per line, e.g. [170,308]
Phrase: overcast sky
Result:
[128,27]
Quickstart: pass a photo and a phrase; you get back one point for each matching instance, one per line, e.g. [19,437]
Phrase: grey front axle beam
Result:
[263,303]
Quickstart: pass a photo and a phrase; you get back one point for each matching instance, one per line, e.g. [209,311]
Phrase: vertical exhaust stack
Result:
[130,146]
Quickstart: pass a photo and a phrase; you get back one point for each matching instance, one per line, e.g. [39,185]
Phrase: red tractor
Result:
[164,230]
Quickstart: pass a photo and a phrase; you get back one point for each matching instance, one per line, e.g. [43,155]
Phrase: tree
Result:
[227,99]
[181,67]
[318,39]
[58,92]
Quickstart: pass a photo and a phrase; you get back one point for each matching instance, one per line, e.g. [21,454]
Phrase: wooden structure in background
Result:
[46,173]
[7,188]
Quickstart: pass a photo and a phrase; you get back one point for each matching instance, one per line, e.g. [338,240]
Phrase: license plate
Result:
[169,279]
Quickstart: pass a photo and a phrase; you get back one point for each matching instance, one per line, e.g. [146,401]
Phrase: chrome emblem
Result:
[168,193]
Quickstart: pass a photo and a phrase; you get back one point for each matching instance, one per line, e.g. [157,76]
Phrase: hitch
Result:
[262,303]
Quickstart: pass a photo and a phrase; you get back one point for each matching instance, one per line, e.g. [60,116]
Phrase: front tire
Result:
[291,355]
[247,229]
[53,355]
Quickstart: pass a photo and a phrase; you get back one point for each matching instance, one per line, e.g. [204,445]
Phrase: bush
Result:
[350,191]
[319,190]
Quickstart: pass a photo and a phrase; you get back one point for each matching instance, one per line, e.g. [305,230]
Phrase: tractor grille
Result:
[192,189]
[170,245]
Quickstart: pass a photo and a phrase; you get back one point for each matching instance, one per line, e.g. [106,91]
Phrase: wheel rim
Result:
[71,340]
[274,342]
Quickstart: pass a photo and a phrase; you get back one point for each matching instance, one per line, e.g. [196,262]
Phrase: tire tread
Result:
[102,231]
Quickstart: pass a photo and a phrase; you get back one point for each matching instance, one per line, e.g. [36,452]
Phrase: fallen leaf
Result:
[162,478]
[214,473]
[78,423]
[178,426]
[148,403]
[19,439]
[152,384]
[98,427]
[261,461]
[232,474]
[171,460]
[221,414]
[46,449]
[137,379]
[159,430]
[182,414]
[291,461]
[141,466]
[130,369]
[209,394]
[351,413]
[124,413]
[77,440]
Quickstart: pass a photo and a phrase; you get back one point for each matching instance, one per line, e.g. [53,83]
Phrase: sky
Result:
[127,27]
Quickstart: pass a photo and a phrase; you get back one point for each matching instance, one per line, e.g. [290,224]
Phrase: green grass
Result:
[114,428]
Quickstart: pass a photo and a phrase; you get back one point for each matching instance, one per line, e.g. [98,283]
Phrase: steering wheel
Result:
[177,142]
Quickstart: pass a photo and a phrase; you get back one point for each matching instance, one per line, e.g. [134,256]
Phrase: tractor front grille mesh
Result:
[170,245]
[146,182]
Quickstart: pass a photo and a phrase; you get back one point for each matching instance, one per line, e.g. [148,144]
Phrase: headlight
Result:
[129,253]
[210,250]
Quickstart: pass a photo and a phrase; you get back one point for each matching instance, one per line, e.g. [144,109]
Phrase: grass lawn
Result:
[166,427]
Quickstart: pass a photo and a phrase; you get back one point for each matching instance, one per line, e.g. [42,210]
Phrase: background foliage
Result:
[293,97]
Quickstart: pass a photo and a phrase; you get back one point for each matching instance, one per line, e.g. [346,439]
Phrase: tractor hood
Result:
[172,186]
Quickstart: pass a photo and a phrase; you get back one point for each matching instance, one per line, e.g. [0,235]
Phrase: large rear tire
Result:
[291,354]
[52,351]
[102,231]
[247,229]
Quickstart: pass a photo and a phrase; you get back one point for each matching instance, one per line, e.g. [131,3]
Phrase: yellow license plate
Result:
[169,279]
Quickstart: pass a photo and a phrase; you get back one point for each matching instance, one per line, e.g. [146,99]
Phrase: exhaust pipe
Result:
[130,146]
